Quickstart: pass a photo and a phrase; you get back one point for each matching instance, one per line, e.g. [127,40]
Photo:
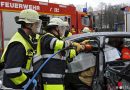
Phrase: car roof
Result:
[99,34]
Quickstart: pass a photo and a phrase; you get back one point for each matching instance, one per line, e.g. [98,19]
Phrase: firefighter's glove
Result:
[88,47]
[85,41]
[78,47]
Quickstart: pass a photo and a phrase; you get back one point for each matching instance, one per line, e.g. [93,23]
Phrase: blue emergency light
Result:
[84,9]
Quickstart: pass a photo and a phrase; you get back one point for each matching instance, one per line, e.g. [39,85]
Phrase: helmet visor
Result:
[38,26]
[62,30]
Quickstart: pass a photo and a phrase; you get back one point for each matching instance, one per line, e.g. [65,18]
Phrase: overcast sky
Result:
[92,3]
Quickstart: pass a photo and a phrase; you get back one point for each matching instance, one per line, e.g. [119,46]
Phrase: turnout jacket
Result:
[18,61]
[53,72]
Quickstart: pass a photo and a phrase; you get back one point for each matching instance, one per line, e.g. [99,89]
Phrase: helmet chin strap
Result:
[58,36]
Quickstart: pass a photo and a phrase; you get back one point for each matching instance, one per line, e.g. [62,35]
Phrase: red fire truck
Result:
[11,8]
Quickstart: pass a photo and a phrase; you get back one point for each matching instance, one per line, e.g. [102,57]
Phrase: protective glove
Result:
[78,47]
[88,47]
[85,41]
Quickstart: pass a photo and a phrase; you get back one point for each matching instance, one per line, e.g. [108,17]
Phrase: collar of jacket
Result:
[21,31]
[52,34]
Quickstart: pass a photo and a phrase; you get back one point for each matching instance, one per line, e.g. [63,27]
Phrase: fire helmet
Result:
[66,24]
[86,30]
[28,16]
[56,22]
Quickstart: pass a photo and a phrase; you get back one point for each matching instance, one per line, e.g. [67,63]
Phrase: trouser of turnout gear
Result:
[72,82]
[53,78]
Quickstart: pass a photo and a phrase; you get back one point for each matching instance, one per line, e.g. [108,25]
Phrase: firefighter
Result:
[19,52]
[125,52]
[73,29]
[86,30]
[53,73]
[67,32]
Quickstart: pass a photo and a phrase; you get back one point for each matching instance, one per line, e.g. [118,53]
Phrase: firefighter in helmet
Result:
[53,73]
[86,30]
[18,54]
[67,32]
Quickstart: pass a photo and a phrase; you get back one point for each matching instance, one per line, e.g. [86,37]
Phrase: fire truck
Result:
[11,8]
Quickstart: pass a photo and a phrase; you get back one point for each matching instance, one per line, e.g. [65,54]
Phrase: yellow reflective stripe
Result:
[30,37]
[3,56]
[39,47]
[58,45]
[37,36]
[28,64]
[69,34]
[19,80]
[53,87]
[39,44]
[72,53]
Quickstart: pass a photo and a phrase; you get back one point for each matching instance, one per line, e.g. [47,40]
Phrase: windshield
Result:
[86,21]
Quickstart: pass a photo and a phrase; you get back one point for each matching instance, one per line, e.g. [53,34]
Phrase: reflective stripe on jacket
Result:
[69,34]
[53,87]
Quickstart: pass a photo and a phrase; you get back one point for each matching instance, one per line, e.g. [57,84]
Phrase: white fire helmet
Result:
[126,42]
[86,30]
[29,16]
[60,23]
[56,21]
[66,24]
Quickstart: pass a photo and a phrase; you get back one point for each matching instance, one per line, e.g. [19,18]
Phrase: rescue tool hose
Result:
[41,67]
